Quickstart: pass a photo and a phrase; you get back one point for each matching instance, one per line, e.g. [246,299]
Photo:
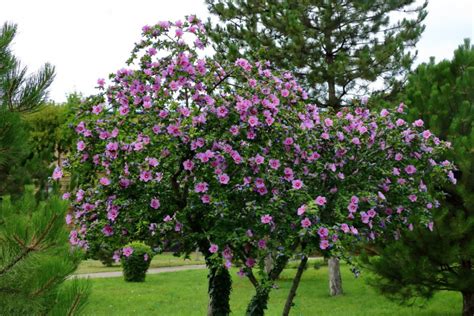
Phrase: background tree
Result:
[35,259]
[50,138]
[336,48]
[19,93]
[441,93]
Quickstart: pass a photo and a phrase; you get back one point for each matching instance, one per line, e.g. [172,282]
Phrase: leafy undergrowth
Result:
[184,293]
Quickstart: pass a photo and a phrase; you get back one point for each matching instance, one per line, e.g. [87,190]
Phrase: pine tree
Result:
[424,262]
[336,47]
[35,259]
[19,93]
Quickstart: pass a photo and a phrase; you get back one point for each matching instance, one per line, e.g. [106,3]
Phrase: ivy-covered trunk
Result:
[468,303]
[219,288]
[258,303]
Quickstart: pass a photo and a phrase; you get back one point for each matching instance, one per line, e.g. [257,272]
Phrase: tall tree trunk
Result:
[294,286]
[335,280]
[219,284]
[467,303]
[219,288]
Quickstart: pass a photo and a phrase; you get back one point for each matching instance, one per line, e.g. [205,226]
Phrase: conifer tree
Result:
[19,93]
[424,262]
[36,259]
[336,47]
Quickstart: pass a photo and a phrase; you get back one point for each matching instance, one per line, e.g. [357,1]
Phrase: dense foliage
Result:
[231,158]
[136,258]
[421,263]
[36,259]
[335,48]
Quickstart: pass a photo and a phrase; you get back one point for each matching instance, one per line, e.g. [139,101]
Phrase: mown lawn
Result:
[158,261]
[184,293]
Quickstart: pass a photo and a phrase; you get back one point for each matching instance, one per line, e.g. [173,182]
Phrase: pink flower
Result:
[206,199]
[384,113]
[262,244]
[253,121]
[123,110]
[354,199]
[68,219]
[104,181]
[155,203]
[201,187]
[274,163]
[107,230]
[96,109]
[418,123]
[285,93]
[266,219]
[352,207]
[305,223]
[412,197]
[112,213]
[57,173]
[328,122]
[222,112]
[324,244]
[81,145]
[214,248]
[288,141]
[410,169]
[127,251]
[145,175]
[320,200]
[250,262]
[301,210]
[297,184]
[66,196]
[145,257]
[188,165]
[224,178]
[426,134]
[345,228]
[323,232]
[259,159]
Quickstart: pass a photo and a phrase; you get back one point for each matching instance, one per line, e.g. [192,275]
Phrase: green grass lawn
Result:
[184,293]
[158,261]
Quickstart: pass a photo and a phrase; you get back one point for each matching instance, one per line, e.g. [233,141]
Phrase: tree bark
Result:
[335,280]
[268,263]
[294,286]
[468,304]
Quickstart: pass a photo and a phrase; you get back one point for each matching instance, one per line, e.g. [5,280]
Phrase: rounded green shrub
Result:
[136,258]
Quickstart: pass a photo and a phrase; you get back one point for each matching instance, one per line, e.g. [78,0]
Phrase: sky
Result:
[86,40]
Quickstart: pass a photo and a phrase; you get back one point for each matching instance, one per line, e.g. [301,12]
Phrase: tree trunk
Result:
[268,263]
[467,303]
[294,286]
[258,303]
[219,288]
[335,280]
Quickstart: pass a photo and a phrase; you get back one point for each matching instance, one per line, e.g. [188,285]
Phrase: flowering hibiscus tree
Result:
[358,176]
[179,150]
[168,149]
